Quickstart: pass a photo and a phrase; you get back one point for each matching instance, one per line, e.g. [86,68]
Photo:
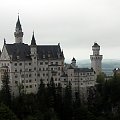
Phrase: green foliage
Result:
[5,93]
[6,113]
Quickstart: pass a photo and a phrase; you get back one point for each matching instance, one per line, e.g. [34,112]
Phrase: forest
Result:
[51,103]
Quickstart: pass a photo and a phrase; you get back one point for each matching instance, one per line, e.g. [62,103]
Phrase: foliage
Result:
[6,113]
[55,103]
[5,93]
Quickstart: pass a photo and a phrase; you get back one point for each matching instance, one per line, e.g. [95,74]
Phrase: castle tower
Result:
[73,62]
[18,32]
[96,59]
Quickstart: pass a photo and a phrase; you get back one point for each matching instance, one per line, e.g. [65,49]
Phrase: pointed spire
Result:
[18,25]
[4,41]
[33,41]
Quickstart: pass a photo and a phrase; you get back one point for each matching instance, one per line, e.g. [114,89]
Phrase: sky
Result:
[75,24]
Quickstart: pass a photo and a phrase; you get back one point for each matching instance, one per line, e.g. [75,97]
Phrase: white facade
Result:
[28,64]
[80,78]
[96,59]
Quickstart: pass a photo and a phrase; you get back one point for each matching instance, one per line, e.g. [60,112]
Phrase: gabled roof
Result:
[18,49]
[22,51]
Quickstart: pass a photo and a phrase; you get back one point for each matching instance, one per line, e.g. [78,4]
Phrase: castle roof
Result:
[22,51]
[73,59]
[95,45]
[83,70]
[33,42]
[18,25]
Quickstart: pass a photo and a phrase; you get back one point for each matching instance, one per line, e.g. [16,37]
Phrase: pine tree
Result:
[5,94]
[41,96]
[67,103]
[6,113]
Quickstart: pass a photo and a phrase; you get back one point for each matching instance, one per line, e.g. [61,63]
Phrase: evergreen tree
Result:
[6,113]
[51,91]
[67,103]
[42,96]
[5,93]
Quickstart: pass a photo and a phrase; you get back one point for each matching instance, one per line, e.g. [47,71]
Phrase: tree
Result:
[51,91]
[67,103]
[5,94]
[41,96]
[6,113]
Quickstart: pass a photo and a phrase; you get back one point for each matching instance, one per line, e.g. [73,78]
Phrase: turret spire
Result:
[18,32]
[33,41]
[18,25]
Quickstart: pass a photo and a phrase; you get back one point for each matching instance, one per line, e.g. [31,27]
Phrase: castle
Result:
[28,64]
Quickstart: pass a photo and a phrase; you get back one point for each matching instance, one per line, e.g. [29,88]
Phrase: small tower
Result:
[18,32]
[73,62]
[33,46]
[96,59]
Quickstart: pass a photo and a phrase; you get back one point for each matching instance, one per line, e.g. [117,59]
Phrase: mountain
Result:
[107,65]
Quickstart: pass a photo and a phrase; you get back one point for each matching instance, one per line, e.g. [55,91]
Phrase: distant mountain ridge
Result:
[107,65]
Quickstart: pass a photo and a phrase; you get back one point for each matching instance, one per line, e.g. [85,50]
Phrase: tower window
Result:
[15,64]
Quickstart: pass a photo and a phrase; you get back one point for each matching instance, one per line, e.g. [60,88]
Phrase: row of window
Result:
[41,63]
[40,69]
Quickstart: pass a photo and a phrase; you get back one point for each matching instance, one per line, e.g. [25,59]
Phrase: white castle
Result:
[28,64]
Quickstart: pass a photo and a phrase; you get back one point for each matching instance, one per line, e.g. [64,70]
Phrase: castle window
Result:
[20,70]
[26,81]
[30,81]
[29,69]
[16,82]
[16,76]
[30,86]
[43,69]
[20,64]
[15,64]
[46,63]
[34,57]
[30,75]
[15,70]
[38,74]
[51,63]
[29,63]
[26,86]
[34,68]
[58,68]
[43,74]
[56,63]
[51,68]
[41,63]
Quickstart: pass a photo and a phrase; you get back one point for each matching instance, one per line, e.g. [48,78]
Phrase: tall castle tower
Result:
[18,32]
[96,59]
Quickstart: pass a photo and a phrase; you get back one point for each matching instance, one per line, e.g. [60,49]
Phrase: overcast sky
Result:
[75,24]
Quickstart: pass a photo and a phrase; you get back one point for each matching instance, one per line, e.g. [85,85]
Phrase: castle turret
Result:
[18,32]
[34,57]
[33,45]
[96,59]
[73,62]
